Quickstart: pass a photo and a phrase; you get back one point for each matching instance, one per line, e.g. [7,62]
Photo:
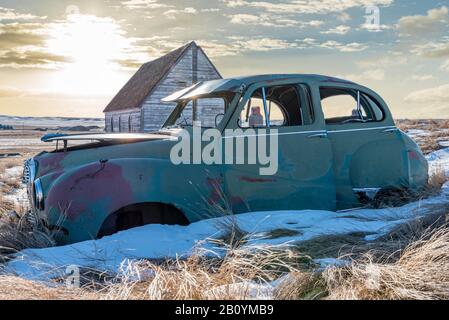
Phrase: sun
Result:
[93,47]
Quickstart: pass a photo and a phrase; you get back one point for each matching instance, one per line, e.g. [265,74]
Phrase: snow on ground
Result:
[50,121]
[17,196]
[414,133]
[439,160]
[162,241]
[7,143]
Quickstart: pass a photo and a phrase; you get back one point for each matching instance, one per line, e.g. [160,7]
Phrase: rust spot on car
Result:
[413,155]
[51,162]
[216,194]
[93,184]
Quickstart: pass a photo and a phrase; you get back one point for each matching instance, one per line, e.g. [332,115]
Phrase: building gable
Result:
[139,101]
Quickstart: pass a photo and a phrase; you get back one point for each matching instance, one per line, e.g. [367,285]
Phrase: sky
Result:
[69,58]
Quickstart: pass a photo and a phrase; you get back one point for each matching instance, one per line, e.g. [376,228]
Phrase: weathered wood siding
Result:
[181,76]
[153,111]
[125,121]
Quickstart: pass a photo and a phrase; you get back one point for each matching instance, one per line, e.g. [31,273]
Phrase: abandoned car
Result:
[338,147]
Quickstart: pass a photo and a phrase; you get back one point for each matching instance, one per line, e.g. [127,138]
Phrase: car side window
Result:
[341,106]
[206,113]
[284,107]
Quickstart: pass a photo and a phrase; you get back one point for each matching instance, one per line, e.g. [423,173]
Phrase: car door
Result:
[304,178]
[367,148]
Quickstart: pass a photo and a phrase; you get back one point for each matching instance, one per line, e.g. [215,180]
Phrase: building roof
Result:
[145,81]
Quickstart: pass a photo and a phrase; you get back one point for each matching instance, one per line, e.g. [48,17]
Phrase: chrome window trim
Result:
[307,132]
[361,129]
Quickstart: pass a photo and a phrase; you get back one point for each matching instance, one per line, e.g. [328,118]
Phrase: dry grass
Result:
[18,233]
[202,276]
[411,262]
[436,129]
[401,196]
[19,229]
[6,206]
[421,272]
[15,288]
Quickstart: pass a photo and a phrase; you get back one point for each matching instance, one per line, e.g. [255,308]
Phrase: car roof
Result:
[277,77]
[235,84]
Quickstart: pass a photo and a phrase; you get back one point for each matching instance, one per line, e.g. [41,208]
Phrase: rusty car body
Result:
[338,147]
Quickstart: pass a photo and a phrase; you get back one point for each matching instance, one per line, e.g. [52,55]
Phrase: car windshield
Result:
[205,112]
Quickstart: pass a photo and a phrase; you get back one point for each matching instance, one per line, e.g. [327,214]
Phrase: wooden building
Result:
[138,106]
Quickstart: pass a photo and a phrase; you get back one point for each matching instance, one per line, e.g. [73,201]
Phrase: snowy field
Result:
[43,122]
[161,241]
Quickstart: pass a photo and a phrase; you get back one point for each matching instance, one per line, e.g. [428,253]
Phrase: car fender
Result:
[82,198]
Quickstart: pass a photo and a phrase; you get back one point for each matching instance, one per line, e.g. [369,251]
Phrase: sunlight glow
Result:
[94,46]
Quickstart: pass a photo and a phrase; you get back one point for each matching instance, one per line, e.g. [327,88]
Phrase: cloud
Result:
[266,44]
[35,59]
[144,4]
[348,47]
[265,20]
[386,61]
[432,49]
[424,77]
[271,20]
[374,27]
[52,45]
[309,43]
[10,92]
[7,14]
[344,17]
[24,45]
[421,24]
[435,95]
[240,45]
[306,6]
[20,35]
[341,29]
[374,74]
[172,13]
[210,10]
[445,66]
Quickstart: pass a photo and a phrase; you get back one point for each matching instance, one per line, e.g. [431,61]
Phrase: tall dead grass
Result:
[242,273]
[421,272]
[22,232]
[15,288]
[435,129]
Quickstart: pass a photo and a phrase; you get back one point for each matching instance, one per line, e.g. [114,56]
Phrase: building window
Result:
[112,124]
[130,124]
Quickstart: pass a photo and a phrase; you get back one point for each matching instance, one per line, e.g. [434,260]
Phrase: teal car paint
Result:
[326,160]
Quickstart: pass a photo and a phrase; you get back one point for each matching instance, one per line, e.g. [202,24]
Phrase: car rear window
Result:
[340,106]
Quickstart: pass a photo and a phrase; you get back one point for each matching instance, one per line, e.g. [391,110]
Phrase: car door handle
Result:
[318,135]
[389,130]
